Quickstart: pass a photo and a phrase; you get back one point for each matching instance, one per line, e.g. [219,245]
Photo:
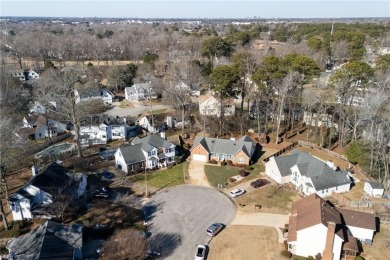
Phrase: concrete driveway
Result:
[262,219]
[178,219]
[197,173]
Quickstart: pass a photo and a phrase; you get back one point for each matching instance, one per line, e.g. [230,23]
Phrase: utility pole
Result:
[146,182]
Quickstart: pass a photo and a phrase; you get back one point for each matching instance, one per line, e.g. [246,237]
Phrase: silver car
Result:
[236,192]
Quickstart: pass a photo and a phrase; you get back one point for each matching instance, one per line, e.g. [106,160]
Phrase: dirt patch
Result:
[246,242]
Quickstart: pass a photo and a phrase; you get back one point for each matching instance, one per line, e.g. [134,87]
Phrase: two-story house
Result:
[309,174]
[211,105]
[93,93]
[140,91]
[90,135]
[38,127]
[149,152]
[37,195]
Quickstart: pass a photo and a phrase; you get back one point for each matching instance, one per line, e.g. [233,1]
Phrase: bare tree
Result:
[125,244]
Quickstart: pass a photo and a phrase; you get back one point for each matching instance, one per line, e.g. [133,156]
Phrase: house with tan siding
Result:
[239,151]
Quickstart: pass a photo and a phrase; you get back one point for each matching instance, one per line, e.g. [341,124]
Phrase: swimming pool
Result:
[55,150]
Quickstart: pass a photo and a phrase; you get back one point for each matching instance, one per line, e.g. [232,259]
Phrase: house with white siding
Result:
[316,228]
[149,152]
[140,91]
[374,189]
[90,135]
[38,127]
[309,174]
[211,105]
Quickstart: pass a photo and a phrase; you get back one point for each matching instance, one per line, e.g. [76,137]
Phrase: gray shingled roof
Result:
[132,153]
[139,86]
[153,140]
[224,146]
[376,185]
[51,240]
[321,175]
[89,93]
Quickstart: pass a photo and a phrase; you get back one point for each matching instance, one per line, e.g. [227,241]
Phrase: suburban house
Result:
[120,129]
[50,240]
[36,127]
[149,152]
[318,119]
[210,105]
[25,75]
[159,123]
[318,228]
[374,189]
[89,94]
[193,89]
[90,135]
[309,174]
[140,91]
[39,195]
[238,151]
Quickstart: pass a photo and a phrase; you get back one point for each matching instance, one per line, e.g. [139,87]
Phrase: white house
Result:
[160,123]
[107,96]
[210,105]
[194,90]
[309,174]
[36,127]
[149,152]
[140,91]
[25,75]
[317,119]
[318,228]
[95,134]
[35,197]
[374,189]
[120,128]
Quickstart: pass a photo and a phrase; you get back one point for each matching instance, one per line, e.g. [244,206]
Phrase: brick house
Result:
[238,151]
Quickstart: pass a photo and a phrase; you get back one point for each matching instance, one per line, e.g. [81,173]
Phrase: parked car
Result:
[237,192]
[214,229]
[107,175]
[259,183]
[200,252]
[104,193]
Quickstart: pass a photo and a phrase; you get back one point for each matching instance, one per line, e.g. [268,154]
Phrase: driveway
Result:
[262,219]
[197,173]
[178,219]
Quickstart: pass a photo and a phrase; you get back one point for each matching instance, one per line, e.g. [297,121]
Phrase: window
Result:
[213,155]
[240,159]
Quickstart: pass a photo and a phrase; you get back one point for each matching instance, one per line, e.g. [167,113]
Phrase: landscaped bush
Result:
[232,180]
[223,163]
[286,254]
[229,162]
[243,173]
[359,258]
[213,161]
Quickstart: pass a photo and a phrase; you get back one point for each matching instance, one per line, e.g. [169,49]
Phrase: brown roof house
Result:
[238,151]
[318,228]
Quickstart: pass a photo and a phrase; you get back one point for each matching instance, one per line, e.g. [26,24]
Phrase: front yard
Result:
[162,178]
[221,174]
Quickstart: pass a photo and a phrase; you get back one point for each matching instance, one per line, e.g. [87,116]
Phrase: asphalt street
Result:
[179,217]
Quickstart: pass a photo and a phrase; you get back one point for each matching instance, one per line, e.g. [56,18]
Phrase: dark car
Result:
[104,193]
[259,183]
[107,175]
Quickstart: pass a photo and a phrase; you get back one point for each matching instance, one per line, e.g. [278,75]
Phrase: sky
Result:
[197,8]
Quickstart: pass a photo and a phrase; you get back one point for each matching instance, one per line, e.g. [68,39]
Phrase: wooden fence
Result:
[284,150]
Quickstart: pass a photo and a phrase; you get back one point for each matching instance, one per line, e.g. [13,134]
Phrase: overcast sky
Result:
[197,9]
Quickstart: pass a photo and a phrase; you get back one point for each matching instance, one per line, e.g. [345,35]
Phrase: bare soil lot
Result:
[255,243]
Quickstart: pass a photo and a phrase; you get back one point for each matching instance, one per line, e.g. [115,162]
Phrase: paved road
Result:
[132,111]
[197,173]
[179,217]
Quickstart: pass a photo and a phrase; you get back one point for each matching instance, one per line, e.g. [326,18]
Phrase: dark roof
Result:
[225,146]
[132,153]
[51,240]
[89,93]
[321,175]
[358,219]
[153,140]
[50,178]
[376,185]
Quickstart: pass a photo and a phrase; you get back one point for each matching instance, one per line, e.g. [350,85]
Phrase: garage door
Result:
[199,157]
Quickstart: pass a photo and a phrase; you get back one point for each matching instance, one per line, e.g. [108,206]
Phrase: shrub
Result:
[213,161]
[310,257]
[232,180]
[187,146]
[286,254]
[243,173]
[359,258]
[223,163]
[89,64]
[14,231]
[229,162]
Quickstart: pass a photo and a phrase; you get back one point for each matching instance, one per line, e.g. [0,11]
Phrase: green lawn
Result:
[221,174]
[163,178]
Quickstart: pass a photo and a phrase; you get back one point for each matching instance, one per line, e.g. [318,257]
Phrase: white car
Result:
[236,192]
[200,252]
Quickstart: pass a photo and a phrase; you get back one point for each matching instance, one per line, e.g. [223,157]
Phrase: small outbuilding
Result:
[374,189]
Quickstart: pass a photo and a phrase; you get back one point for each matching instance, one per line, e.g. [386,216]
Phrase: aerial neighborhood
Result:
[194,138]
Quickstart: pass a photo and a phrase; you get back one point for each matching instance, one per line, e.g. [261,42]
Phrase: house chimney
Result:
[34,169]
[162,134]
